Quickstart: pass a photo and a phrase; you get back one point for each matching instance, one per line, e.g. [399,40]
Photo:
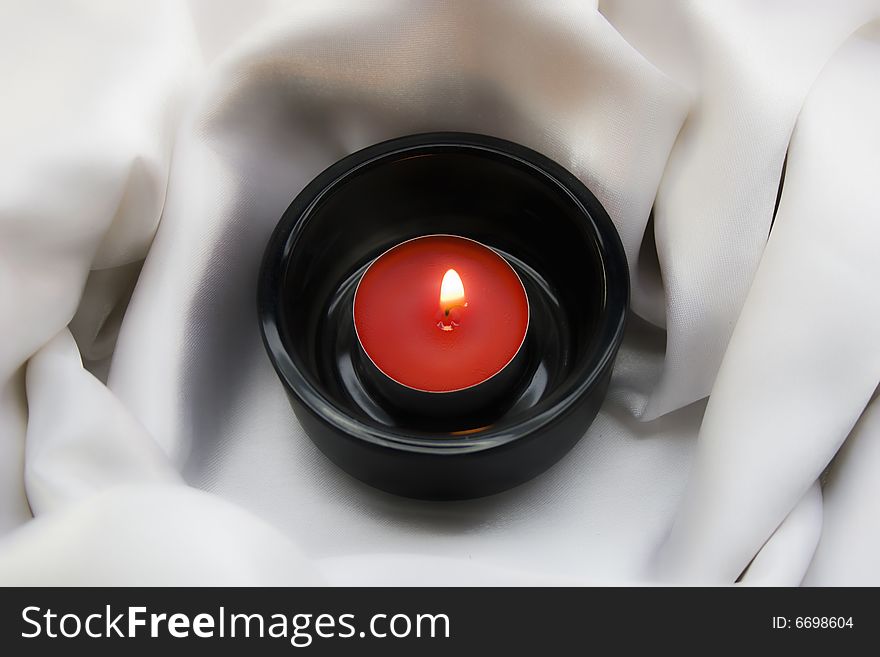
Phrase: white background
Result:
[148,148]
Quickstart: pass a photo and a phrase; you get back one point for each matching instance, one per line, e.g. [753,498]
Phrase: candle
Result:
[439,319]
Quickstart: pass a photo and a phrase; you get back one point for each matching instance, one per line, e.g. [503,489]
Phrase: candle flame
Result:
[451,291]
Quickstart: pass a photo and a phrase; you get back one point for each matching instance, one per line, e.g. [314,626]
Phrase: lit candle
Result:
[442,321]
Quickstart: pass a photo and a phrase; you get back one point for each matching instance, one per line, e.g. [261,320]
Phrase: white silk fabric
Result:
[148,148]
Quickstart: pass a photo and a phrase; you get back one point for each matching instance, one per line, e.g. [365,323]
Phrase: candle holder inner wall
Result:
[538,216]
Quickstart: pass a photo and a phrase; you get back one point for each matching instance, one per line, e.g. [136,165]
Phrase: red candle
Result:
[440,313]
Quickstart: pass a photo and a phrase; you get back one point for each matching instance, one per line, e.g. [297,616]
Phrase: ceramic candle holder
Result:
[539,217]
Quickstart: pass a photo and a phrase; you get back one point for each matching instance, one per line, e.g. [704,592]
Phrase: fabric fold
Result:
[802,363]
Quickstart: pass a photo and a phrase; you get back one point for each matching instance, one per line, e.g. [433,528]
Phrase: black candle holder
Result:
[549,227]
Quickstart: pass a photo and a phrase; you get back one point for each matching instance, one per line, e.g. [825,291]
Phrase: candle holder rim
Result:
[288,232]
